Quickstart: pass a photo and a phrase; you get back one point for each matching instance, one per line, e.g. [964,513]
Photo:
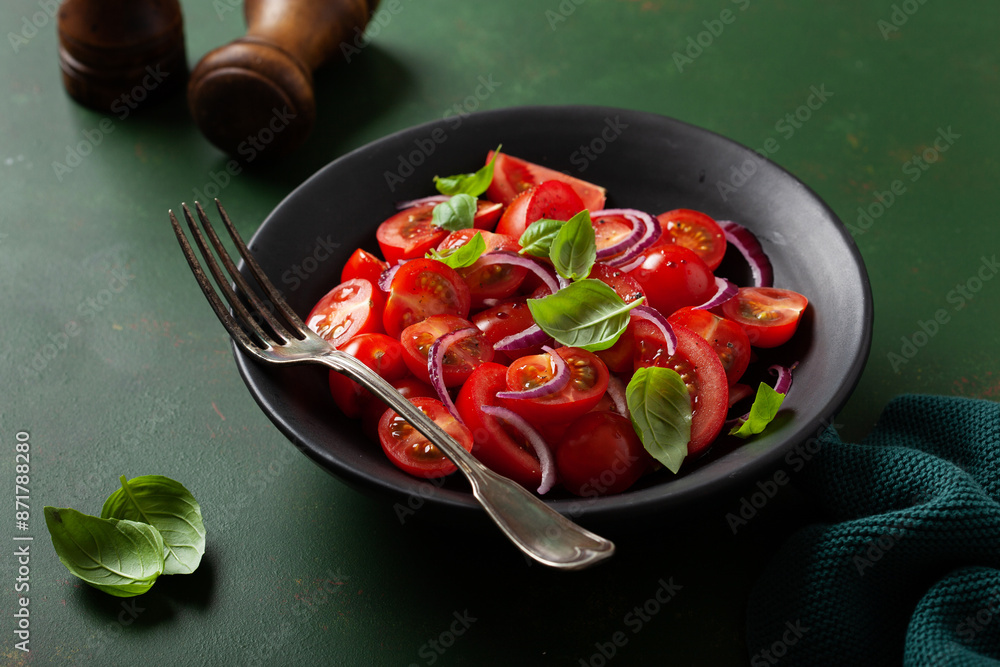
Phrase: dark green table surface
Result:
[302,570]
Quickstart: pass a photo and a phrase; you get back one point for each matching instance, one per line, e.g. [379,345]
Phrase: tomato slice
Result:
[460,359]
[552,200]
[698,365]
[494,281]
[379,352]
[672,277]
[372,411]
[411,233]
[496,447]
[363,264]
[411,451]
[507,319]
[588,382]
[610,229]
[696,231]
[727,338]
[768,315]
[351,308]
[512,176]
[487,214]
[600,454]
[421,288]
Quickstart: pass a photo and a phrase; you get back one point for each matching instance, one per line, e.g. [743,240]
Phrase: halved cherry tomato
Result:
[351,308]
[698,365]
[363,264]
[496,446]
[410,233]
[379,352]
[411,451]
[618,357]
[460,359]
[696,231]
[493,281]
[507,319]
[372,411]
[588,382]
[512,176]
[600,454]
[421,288]
[768,315]
[552,200]
[726,337]
[672,277]
[487,214]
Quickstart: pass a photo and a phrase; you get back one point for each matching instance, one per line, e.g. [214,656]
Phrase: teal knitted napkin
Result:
[907,569]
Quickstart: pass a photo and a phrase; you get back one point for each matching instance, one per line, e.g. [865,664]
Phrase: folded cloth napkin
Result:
[907,571]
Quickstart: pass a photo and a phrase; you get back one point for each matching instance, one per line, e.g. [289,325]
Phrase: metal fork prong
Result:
[221,311]
[243,315]
[260,309]
[272,294]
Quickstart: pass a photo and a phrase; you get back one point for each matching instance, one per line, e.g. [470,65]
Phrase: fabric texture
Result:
[907,569]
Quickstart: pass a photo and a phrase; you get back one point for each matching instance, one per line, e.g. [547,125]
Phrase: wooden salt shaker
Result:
[255,96]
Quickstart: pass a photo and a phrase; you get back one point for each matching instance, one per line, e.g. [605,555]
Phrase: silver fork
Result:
[534,527]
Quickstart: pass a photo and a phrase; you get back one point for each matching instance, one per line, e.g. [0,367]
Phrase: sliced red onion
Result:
[724,291]
[616,390]
[633,265]
[656,318]
[784,373]
[748,245]
[646,231]
[512,258]
[541,448]
[435,365]
[385,280]
[560,377]
[433,199]
[530,337]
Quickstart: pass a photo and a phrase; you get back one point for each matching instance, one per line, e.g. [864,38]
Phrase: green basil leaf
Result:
[167,506]
[538,237]
[574,249]
[457,213]
[765,406]
[462,256]
[586,314]
[117,556]
[660,407]
[468,184]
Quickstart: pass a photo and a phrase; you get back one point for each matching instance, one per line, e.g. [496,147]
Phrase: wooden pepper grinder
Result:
[254,96]
[117,54]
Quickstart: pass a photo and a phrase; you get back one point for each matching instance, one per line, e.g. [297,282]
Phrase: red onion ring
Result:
[748,245]
[435,365]
[433,199]
[530,337]
[656,318]
[645,233]
[784,374]
[633,265]
[534,439]
[512,258]
[616,390]
[724,291]
[560,378]
[385,279]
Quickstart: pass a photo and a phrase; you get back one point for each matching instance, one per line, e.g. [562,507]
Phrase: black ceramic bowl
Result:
[645,161]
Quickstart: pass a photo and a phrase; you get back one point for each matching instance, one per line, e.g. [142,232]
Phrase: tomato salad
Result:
[562,343]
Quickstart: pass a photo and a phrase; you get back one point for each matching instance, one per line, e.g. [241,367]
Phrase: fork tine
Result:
[258,273]
[228,321]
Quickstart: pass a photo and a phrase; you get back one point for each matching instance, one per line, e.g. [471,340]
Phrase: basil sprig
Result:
[457,213]
[574,248]
[765,407]
[586,313]
[462,256]
[660,409]
[468,184]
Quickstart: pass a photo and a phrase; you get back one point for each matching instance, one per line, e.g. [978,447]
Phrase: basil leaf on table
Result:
[170,508]
[538,237]
[468,184]
[660,408]
[118,556]
[587,314]
[462,256]
[574,248]
[457,213]
[765,407]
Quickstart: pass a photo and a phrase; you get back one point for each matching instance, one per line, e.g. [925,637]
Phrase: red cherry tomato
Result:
[600,454]
[768,315]
[507,319]
[552,200]
[610,229]
[588,382]
[698,365]
[363,264]
[487,214]
[512,176]
[351,308]
[411,451]
[421,288]
[672,277]
[410,233]
[498,447]
[494,281]
[696,231]
[372,411]
[618,357]
[460,359]
[379,352]
[726,337]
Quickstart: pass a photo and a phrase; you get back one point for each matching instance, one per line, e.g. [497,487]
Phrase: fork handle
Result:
[534,527]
